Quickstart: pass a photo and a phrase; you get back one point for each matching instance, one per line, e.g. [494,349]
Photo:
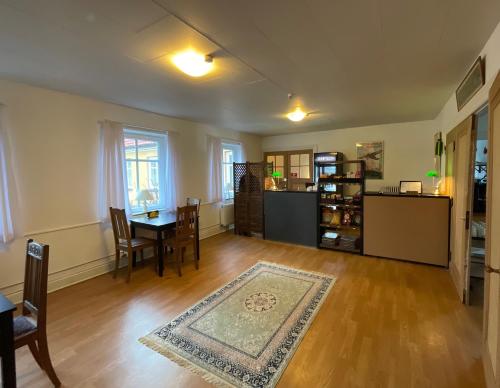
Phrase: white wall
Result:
[408,148]
[54,142]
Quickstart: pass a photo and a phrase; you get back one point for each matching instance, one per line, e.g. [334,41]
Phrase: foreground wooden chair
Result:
[30,328]
[190,201]
[124,243]
[185,235]
[194,202]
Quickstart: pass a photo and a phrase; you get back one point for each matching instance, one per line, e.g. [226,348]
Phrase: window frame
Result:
[237,150]
[291,181]
[150,135]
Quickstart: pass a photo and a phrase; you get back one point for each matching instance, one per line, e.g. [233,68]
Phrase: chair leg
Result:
[45,360]
[117,262]
[130,262]
[35,353]
[195,255]
[178,260]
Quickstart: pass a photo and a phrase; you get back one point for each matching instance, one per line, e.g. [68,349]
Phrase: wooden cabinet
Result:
[413,228]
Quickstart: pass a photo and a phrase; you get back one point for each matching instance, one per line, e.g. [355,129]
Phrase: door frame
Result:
[494,101]
[460,276]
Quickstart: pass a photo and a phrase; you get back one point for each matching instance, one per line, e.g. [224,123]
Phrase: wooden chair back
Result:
[194,202]
[187,218]
[35,281]
[119,221]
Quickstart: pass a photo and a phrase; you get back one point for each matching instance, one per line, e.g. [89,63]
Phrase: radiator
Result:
[227,214]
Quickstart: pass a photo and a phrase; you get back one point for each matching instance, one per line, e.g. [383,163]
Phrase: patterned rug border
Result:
[205,373]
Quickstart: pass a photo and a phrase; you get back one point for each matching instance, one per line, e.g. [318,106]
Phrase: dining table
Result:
[7,351]
[164,222]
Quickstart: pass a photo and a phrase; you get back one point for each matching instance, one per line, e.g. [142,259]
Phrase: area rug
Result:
[245,333]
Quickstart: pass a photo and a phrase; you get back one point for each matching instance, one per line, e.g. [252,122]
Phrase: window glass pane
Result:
[147,149]
[228,156]
[294,172]
[145,154]
[280,169]
[130,148]
[280,161]
[304,172]
[147,181]
[295,160]
[304,159]
[131,177]
[270,159]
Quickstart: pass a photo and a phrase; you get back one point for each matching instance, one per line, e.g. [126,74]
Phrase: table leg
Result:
[161,250]
[7,351]
[198,239]
[134,254]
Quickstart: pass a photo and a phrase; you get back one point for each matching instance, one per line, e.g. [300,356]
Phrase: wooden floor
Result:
[385,324]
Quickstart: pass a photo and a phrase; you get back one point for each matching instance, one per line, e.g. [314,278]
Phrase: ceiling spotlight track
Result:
[212,40]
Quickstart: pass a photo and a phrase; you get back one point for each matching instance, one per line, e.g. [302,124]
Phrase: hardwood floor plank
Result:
[385,324]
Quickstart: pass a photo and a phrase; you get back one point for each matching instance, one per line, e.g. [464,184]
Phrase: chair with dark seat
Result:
[185,235]
[30,328]
[124,243]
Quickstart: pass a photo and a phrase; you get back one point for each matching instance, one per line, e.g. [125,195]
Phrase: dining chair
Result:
[124,243]
[30,328]
[185,235]
[190,201]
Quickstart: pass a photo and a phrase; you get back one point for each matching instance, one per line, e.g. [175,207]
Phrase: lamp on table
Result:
[145,195]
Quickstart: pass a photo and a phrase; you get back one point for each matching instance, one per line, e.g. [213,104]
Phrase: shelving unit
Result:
[340,204]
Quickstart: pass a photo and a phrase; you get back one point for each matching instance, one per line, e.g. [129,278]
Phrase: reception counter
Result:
[291,216]
[407,227]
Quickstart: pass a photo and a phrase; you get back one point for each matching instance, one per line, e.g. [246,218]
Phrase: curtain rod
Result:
[133,126]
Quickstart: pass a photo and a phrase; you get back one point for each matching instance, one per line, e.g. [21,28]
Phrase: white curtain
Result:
[6,226]
[172,188]
[214,169]
[112,174]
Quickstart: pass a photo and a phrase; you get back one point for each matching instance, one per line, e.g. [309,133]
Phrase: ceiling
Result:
[352,62]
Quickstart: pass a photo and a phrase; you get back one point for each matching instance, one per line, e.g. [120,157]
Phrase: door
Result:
[491,353]
[458,174]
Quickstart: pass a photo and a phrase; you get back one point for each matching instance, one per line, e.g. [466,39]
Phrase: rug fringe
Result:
[182,362]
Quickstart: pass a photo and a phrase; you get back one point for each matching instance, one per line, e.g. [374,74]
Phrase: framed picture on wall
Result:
[473,81]
[373,155]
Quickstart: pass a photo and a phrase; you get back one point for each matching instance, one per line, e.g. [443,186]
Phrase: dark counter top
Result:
[376,194]
[291,191]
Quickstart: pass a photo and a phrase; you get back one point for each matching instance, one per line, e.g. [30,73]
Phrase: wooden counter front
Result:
[414,228]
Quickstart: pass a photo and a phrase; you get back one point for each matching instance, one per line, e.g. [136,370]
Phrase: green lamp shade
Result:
[277,174]
[432,174]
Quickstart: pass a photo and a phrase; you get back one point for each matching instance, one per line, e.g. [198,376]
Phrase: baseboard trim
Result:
[489,375]
[89,270]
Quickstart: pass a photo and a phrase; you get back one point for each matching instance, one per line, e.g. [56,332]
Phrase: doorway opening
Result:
[478,209]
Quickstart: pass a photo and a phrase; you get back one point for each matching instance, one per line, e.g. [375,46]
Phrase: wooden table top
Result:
[165,219]
[6,305]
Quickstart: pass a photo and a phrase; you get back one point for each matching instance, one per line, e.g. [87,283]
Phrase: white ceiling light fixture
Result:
[296,115]
[193,64]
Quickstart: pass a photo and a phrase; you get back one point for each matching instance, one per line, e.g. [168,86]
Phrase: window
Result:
[230,153]
[299,166]
[296,166]
[145,157]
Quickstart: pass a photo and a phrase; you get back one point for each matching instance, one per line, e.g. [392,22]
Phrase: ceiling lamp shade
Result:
[297,115]
[193,64]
